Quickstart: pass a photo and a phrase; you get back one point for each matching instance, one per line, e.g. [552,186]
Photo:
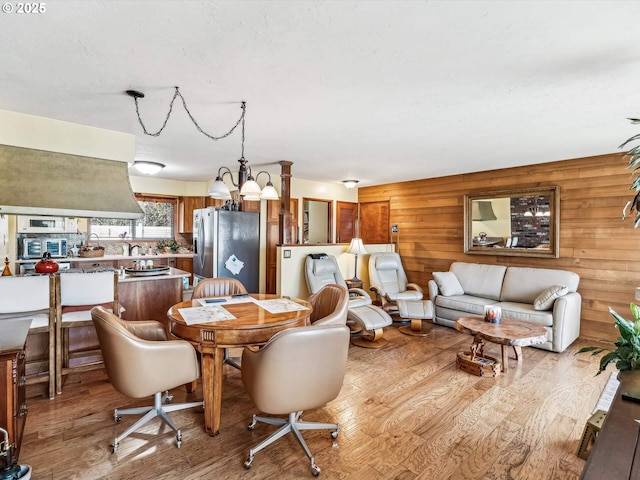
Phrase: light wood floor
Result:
[405,412]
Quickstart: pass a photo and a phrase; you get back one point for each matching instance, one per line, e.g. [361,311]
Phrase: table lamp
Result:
[357,248]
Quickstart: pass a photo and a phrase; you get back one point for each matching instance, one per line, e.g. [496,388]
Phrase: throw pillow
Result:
[448,283]
[545,300]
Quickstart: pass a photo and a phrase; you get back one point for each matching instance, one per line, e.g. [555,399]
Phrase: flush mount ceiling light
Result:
[350,183]
[148,168]
[246,183]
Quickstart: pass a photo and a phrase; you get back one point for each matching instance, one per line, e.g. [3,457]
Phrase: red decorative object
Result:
[46,265]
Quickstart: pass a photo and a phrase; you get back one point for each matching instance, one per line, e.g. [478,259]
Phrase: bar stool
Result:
[76,294]
[33,297]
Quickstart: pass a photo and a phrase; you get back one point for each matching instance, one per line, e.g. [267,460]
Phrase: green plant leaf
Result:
[589,349]
[629,140]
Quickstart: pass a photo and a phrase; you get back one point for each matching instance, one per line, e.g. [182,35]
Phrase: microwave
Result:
[44,224]
[35,247]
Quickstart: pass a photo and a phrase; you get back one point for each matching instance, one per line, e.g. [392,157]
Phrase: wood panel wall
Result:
[594,240]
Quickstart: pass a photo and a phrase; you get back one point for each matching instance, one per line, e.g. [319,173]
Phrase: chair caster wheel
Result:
[334,435]
[252,425]
[179,439]
[247,464]
[114,448]
[116,417]
[315,470]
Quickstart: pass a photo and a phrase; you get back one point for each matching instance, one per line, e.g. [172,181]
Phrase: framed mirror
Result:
[520,222]
[317,220]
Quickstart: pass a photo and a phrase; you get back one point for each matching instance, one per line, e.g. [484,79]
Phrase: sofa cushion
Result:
[481,280]
[523,285]
[464,303]
[548,296]
[448,283]
[525,311]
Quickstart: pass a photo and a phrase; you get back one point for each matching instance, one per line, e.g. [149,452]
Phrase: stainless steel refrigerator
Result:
[226,244]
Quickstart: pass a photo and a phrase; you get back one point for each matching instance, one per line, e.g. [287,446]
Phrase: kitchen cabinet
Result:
[185,264]
[186,206]
[13,407]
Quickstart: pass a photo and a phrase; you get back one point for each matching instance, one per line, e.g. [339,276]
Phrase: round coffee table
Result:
[514,333]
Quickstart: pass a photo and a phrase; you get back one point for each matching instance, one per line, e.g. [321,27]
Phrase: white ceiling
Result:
[378,91]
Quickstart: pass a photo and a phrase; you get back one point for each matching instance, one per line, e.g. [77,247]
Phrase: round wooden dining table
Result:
[252,325]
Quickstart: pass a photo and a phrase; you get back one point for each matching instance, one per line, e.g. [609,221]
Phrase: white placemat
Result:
[209,313]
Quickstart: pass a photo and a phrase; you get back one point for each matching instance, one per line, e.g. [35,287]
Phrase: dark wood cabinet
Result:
[186,206]
[185,264]
[13,407]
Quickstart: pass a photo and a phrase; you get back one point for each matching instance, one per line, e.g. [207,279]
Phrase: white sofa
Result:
[544,296]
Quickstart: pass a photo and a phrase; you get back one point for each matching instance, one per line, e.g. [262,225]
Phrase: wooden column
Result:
[285,220]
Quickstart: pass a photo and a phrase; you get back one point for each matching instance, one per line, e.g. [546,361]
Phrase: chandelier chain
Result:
[184,104]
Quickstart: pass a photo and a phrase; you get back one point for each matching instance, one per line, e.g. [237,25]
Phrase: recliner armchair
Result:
[389,282]
[297,369]
[140,362]
[362,316]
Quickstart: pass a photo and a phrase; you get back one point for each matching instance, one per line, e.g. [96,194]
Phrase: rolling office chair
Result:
[140,362]
[297,369]
[219,287]
[362,315]
[33,297]
[330,305]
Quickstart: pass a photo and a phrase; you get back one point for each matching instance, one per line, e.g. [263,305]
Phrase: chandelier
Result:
[247,183]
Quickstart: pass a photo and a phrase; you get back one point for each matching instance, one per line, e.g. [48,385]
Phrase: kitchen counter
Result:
[112,258]
[173,273]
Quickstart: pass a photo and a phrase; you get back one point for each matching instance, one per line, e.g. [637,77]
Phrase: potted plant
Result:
[634,163]
[167,245]
[626,355]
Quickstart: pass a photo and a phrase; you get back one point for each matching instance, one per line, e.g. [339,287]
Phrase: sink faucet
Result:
[131,247]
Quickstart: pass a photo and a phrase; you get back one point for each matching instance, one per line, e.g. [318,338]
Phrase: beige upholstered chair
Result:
[330,305]
[76,294]
[33,297]
[141,362]
[219,287]
[362,316]
[297,369]
[389,282]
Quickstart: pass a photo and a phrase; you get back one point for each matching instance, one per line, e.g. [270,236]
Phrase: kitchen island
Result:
[143,297]
[150,297]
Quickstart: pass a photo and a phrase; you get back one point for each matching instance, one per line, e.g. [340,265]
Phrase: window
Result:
[158,221]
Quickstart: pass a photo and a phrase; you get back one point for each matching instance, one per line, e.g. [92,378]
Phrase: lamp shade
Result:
[482,210]
[148,168]
[269,192]
[356,247]
[250,188]
[218,189]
